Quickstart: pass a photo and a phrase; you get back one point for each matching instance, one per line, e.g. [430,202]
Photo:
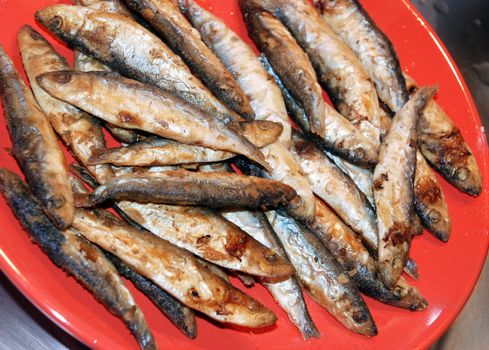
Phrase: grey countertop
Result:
[464,28]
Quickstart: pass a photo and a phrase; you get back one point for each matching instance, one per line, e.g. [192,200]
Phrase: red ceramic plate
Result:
[448,271]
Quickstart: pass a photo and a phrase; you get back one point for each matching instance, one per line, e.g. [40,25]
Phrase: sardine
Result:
[166,19]
[85,63]
[338,69]
[360,265]
[265,98]
[287,294]
[135,105]
[34,145]
[340,136]
[321,276]
[334,187]
[429,200]
[356,28]
[261,133]
[182,187]
[174,270]
[132,50]
[79,131]
[443,145]
[393,188]
[77,256]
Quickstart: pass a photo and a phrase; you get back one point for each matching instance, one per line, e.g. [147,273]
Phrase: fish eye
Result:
[56,22]
[62,77]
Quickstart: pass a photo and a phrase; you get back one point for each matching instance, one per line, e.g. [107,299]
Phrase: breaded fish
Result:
[132,50]
[135,105]
[443,145]
[174,270]
[357,29]
[321,276]
[182,187]
[166,19]
[79,131]
[287,294]
[77,256]
[393,188]
[34,145]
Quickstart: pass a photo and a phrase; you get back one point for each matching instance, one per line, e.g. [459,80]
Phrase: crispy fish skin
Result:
[429,200]
[209,236]
[360,265]
[321,276]
[357,29]
[290,63]
[139,106]
[130,49]
[181,316]
[68,250]
[444,147]
[182,187]
[174,270]
[35,146]
[287,294]
[241,61]
[334,187]
[338,69]
[170,24]
[393,188]
[79,131]
[339,136]
[265,98]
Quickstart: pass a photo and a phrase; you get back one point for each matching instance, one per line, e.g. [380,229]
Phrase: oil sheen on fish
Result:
[287,294]
[356,28]
[334,187]
[78,257]
[34,145]
[321,276]
[182,187]
[360,265]
[170,24]
[79,131]
[338,69]
[339,136]
[132,50]
[133,105]
[443,145]
[265,98]
[393,188]
[174,270]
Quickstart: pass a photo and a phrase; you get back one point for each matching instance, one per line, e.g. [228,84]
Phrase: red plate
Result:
[448,271]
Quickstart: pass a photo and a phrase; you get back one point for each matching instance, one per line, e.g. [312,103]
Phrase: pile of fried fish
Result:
[211,179]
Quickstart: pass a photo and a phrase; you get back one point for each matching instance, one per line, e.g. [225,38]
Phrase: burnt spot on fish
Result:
[203,240]
[427,191]
[236,243]
[127,117]
[305,149]
[379,182]
[399,233]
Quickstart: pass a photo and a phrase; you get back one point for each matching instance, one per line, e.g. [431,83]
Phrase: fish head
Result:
[59,82]
[64,21]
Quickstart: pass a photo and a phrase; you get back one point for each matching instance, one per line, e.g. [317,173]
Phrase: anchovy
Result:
[35,146]
[339,137]
[443,145]
[356,28]
[265,98]
[166,19]
[79,131]
[77,256]
[287,294]
[393,188]
[182,187]
[138,106]
[321,276]
[174,270]
[338,69]
[132,50]
[334,187]
[360,265]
